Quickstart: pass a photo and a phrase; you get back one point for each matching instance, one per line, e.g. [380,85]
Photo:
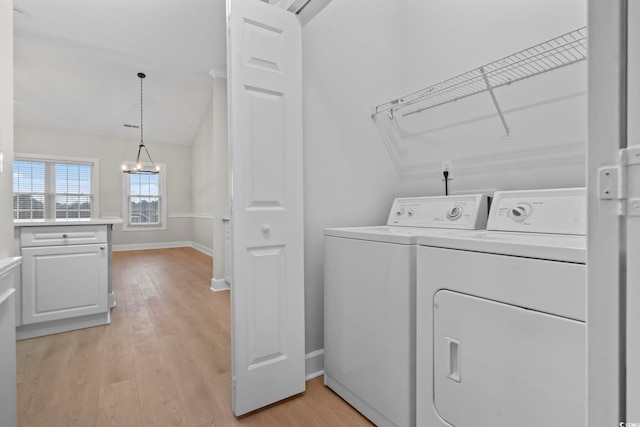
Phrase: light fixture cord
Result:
[141,117]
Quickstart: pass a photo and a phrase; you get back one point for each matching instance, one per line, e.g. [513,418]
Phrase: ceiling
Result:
[76,65]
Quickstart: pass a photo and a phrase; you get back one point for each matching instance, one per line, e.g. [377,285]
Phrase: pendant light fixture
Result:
[139,167]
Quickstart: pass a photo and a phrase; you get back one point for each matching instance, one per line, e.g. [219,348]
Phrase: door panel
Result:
[265,104]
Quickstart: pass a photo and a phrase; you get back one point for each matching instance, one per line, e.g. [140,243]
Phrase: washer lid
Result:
[390,234]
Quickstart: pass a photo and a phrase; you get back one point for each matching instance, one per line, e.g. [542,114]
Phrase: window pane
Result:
[66,185]
[143,210]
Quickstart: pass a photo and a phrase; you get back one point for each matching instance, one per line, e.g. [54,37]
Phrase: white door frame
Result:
[633,222]
[607,284]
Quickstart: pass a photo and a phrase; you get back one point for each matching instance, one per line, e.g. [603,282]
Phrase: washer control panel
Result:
[555,211]
[464,212]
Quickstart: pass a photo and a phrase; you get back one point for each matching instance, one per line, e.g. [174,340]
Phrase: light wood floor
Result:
[164,360]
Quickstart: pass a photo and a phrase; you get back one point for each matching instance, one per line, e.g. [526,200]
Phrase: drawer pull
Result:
[65,235]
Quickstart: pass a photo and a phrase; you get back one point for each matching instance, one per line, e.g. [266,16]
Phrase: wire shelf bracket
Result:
[558,52]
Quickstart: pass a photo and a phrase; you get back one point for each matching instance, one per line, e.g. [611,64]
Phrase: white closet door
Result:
[267,297]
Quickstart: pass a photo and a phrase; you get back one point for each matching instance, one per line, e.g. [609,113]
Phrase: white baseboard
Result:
[145,246]
[162,245]
[63,325]
[314,364]
[202,248]
[218,285]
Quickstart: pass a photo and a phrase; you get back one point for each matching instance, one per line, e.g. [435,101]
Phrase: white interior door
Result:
[633,222]
[267,297]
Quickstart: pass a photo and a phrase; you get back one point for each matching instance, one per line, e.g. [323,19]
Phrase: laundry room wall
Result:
[111,152]
[362,53]
[350,57]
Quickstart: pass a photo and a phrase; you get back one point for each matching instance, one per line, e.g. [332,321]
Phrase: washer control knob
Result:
[454,213]
[520,212]
[400,212]
[411,211]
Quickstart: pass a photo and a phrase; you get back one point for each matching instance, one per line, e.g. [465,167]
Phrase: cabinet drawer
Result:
[63,235]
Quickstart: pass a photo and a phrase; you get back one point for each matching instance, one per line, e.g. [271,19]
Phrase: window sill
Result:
[126,227]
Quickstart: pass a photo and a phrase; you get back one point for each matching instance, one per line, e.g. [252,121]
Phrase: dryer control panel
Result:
[464,212]
[553,211]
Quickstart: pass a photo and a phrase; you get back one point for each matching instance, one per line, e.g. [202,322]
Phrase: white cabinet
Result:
[65,278]
[59,282]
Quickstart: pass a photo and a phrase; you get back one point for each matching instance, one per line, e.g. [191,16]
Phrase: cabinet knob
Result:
[65,235]
[102,248]
[265,228]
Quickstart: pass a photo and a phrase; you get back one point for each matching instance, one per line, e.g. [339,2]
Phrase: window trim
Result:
[126,226]
[95,184]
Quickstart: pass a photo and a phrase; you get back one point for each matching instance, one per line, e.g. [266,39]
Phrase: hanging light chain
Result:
[141,109]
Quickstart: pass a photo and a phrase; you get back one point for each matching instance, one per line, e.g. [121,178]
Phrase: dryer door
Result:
[501,365]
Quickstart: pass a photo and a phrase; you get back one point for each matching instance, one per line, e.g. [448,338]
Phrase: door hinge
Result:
[613,182]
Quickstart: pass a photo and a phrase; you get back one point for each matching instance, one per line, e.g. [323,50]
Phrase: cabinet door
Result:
[60,282]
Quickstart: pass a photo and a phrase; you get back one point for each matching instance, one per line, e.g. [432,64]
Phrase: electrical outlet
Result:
[447,165]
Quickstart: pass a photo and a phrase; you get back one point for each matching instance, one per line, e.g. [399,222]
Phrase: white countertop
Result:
[65,221]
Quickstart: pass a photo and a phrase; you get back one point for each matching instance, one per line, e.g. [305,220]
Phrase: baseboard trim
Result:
[218,285]
[202,248]
[314,364]
[162,245]
[63,325]
[146,246]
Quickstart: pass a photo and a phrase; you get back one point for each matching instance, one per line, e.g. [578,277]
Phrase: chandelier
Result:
[139,167]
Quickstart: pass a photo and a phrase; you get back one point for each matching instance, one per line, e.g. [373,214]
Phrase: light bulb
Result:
[158,168]
[138,166]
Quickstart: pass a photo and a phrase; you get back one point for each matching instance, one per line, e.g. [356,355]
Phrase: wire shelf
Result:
[558,52]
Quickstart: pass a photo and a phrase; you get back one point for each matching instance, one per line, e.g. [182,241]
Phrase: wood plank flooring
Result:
[163,361]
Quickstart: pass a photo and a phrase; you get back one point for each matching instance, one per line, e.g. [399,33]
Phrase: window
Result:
[145,201]
[54,187]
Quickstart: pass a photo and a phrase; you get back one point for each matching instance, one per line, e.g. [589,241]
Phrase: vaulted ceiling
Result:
[76,65]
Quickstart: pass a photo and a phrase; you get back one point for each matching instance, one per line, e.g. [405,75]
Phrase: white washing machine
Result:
[501,317]
[369,303]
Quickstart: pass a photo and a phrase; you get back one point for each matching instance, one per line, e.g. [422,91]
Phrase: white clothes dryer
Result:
[369,303]
[501,317]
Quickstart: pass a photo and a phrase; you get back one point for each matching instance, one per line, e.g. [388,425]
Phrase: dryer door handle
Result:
[454,360]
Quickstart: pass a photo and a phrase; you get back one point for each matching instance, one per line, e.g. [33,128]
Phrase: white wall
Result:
[365,52]
[350,57]
[202,182]
[6,127]
[111,152]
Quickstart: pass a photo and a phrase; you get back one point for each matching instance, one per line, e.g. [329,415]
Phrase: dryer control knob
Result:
[520,212]
[454,213]
[411,211]
[399,211]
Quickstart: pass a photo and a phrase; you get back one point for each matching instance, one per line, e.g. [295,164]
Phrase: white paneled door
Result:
[267,297]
